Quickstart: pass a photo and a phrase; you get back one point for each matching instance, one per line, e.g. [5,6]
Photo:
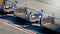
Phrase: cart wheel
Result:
[28,23]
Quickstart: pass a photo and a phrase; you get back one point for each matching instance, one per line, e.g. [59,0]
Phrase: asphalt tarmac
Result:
[5,29]
[12,19]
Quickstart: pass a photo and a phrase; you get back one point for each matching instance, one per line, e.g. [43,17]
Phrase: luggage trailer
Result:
[27,15]
[51,25]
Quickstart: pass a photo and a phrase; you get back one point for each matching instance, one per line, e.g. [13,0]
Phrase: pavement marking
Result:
[16,26]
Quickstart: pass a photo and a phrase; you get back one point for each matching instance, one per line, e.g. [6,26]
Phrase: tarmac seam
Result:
[16,26]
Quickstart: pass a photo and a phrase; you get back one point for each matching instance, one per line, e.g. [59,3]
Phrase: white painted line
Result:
[16,26]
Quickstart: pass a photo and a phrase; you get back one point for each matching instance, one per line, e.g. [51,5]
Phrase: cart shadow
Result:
[37,29]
